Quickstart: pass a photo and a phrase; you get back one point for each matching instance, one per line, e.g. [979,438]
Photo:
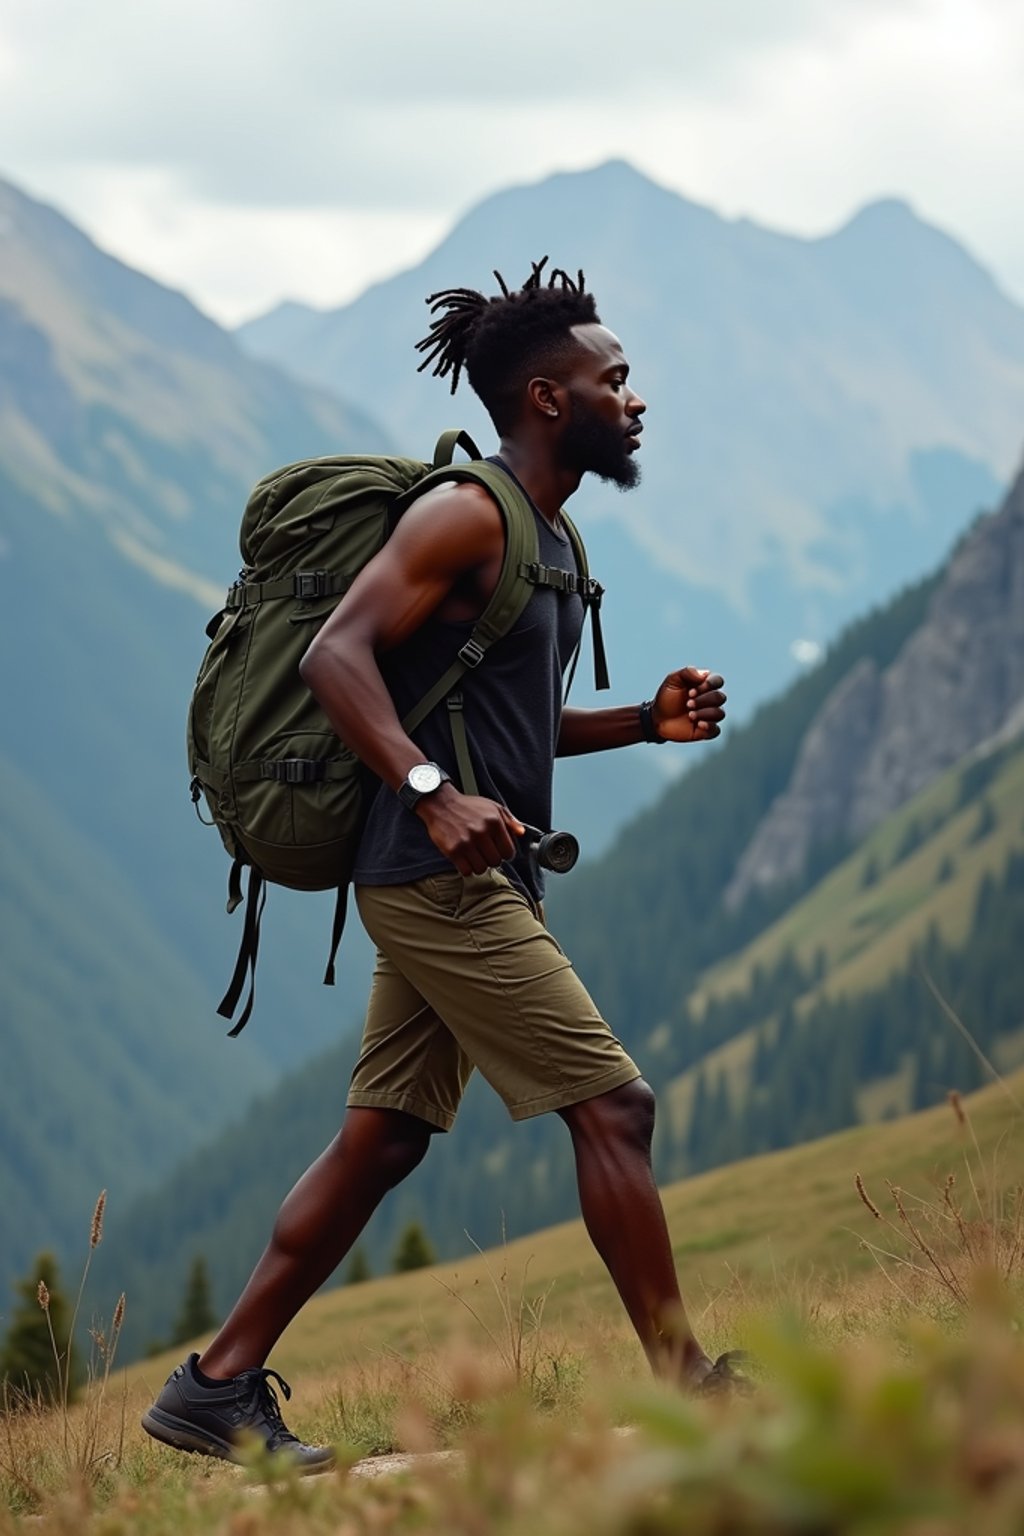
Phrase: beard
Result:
[592,446]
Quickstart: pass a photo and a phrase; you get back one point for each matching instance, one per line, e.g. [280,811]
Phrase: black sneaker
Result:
[212,1419]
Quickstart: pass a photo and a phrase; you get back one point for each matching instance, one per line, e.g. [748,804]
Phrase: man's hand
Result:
[474,833]
[689,705]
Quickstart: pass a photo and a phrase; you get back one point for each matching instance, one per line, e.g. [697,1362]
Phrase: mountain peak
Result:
[884,212]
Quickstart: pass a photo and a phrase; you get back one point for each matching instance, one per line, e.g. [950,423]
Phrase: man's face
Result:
[603,431]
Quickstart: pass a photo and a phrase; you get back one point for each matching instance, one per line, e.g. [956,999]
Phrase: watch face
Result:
[425,778]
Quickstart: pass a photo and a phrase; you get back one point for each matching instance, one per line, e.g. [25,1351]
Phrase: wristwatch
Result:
[422,780]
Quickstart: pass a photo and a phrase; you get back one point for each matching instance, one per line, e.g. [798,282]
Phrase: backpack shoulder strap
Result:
[512,592]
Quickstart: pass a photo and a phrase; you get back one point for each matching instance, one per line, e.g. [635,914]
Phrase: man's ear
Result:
[546,397]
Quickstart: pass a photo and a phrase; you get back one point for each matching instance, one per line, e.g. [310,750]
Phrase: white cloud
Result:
[806,652]
[245,151]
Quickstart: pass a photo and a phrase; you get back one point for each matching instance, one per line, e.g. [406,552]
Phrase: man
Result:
[467,974]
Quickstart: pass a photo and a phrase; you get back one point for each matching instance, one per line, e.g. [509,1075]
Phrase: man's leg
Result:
[316,1226]
[623,1213]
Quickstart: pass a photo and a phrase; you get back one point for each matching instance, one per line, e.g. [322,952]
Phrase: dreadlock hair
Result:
[504,341]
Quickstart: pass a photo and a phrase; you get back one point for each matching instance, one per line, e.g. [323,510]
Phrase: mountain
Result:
[883,734]
[131,428]
[825,416]
[798,1011]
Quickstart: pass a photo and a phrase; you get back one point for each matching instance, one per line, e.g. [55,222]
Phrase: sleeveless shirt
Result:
[512,709]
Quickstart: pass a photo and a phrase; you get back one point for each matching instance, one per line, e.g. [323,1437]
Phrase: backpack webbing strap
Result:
[248,949]
[337,929]
[460,741]
[302,586]
[591,593]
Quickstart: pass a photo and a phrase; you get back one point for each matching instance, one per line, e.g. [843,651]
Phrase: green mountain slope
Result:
[220,1203]
[845,1008]
[783,1214]
[821,1064]
[105,1044]
[130,431]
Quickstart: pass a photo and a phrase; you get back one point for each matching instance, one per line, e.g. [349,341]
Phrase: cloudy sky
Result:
[251,150]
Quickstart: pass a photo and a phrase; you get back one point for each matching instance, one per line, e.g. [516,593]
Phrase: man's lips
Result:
[633,436]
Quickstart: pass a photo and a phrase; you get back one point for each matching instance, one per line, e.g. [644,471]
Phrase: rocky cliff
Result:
[957,683]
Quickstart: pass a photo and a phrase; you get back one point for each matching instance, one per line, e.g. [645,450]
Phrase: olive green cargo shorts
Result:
[468,976]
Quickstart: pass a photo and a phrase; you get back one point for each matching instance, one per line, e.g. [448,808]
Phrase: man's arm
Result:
[450,536]
[689,706]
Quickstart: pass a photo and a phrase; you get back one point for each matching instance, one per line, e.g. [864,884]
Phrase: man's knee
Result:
[625,1114]
[404,1149]
[392,1142]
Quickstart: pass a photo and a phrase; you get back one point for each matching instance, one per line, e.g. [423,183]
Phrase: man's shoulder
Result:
[465,504]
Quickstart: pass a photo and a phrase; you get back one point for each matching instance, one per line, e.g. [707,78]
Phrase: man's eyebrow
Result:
[622,368]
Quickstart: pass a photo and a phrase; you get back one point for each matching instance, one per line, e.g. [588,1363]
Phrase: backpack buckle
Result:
[590,591]
[294,770]
[310,584]
[472,653]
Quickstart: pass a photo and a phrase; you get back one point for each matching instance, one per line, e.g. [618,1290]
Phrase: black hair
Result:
[504,341]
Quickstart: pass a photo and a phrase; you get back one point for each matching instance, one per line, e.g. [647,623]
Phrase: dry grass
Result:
[50,1440]
[892,1390]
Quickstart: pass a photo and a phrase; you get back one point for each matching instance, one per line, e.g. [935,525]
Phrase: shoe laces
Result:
[262,1397]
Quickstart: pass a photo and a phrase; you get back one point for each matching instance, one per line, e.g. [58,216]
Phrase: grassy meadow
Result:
[888,1357]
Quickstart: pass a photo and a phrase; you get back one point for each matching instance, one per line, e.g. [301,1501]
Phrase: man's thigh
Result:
[475,952]
[408,1059]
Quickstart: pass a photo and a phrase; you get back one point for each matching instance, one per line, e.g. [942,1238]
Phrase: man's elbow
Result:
[315,665]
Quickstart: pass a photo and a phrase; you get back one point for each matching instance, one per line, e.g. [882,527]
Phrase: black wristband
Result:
[648,729]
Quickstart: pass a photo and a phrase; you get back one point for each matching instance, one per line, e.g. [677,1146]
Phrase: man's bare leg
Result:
[316,1226]
[623,1213]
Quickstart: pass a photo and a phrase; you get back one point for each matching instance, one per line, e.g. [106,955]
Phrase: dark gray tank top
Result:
[513,703]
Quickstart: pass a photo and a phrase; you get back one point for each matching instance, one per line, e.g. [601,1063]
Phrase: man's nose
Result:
[636,406]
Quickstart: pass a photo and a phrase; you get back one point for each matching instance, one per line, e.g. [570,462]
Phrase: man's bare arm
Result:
[450,535]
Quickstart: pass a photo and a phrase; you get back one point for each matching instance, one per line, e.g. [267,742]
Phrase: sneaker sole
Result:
[180,1435]
[183,1436]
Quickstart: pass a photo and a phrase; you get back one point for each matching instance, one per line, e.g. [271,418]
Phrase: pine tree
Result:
[197,1315]
[28,1365]
[358,1267]
[986,822]
[413,1250]
[870,872]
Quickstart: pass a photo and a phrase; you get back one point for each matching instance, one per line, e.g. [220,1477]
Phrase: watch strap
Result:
[411,797]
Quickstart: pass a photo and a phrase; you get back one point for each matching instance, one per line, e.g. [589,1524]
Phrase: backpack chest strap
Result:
[585,587]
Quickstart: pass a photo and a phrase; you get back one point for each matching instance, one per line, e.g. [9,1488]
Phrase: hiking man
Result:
[467,975]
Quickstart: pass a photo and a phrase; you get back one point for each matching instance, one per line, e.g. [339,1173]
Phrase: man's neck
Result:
[548,485]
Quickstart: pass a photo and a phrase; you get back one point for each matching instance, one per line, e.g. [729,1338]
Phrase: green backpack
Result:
[287,797]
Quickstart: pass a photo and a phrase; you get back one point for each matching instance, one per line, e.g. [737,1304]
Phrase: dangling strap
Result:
[337,929]
[248,949]
[460,741]
[591,592]
[601,661]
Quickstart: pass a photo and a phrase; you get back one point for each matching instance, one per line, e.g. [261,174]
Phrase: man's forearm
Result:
[598,730]
[346,682]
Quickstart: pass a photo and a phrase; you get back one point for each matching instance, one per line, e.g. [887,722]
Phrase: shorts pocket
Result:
[446,891]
